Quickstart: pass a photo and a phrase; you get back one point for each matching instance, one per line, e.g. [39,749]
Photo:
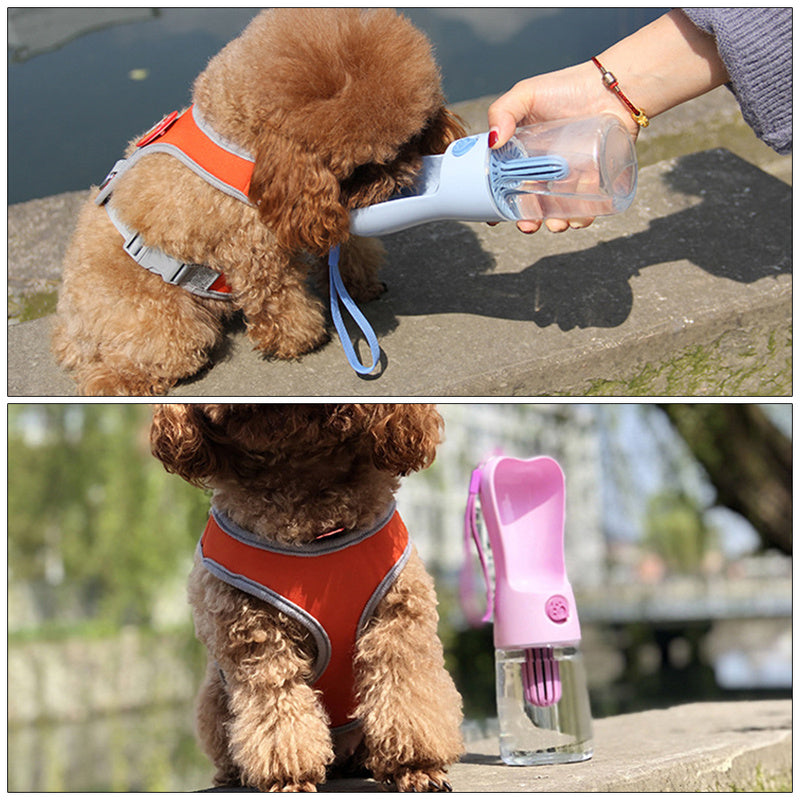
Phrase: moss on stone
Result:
[27,307]
[710,371]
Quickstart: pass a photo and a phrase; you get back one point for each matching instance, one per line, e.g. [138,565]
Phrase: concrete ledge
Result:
[740,746]
[687,293]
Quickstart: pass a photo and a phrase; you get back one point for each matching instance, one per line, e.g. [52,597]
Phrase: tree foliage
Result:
[747,458]
[95,524]
[96,527]
[676,531]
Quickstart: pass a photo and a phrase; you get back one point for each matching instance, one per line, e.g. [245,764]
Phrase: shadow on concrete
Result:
[736,231]
[481,758]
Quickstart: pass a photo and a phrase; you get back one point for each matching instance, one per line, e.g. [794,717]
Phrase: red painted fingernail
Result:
[493,137]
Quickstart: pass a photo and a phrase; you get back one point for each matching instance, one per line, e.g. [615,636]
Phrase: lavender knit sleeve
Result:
[756,46]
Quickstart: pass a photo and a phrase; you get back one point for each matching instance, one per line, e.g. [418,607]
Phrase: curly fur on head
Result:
[204,443]
[337,106]
[357,87]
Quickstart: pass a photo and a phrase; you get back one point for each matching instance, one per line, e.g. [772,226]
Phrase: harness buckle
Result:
[107,185]
[195,278]
[152,259]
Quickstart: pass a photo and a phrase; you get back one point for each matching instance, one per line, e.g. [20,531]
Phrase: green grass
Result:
[781,782]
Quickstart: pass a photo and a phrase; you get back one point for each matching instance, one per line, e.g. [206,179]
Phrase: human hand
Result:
[660,66]
[575,91]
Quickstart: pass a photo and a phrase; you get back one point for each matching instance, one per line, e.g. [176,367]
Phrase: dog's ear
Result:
[297,196]
[178,438]
[441,131]
[405,436]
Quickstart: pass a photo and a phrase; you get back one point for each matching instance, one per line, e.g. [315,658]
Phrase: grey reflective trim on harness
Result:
[276,600]
[195,278]
[319,547]
[382,588]
[124,164]
[219,139]
[107,186]
[308,550]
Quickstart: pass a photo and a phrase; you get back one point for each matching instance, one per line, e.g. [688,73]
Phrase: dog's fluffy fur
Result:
[337,106]
[285,473]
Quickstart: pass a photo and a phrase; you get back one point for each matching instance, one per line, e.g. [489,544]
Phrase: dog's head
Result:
[207,444]
[337,105]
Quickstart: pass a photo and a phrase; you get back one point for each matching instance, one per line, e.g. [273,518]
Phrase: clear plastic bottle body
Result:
[533,732]
[567,169]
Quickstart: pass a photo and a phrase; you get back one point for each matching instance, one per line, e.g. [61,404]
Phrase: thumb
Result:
[501,128]
[504,116]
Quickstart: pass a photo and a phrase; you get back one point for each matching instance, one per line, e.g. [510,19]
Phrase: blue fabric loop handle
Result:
[338,291]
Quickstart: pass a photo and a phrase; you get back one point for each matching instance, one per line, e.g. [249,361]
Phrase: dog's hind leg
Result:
[120,329]
[359,263]
[212,718]
[410,709]
[136,347]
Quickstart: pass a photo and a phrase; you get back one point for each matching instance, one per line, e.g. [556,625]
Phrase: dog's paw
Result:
[293,787]
[103,382]
[369,291]
[288,342]
[305,786]
[359,264]
[298,343]
[408,779]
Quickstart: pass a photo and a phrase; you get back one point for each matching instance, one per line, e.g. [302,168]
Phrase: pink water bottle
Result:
[542,697]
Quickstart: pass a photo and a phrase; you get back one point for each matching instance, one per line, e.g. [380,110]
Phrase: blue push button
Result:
[463,146]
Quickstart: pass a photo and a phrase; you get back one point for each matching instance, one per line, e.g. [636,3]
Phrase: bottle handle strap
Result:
[339,292]
[466,584]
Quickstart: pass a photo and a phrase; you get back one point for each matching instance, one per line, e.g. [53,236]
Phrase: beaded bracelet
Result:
[612,84]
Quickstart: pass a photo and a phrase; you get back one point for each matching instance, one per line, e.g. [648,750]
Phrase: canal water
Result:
[83,81]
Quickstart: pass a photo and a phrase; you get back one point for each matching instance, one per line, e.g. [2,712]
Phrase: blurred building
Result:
[433,502]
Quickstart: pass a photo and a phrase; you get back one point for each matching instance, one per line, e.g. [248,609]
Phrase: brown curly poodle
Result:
[309,488]
[335,107]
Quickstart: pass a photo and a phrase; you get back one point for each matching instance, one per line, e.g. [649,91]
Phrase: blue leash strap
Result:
[338,291]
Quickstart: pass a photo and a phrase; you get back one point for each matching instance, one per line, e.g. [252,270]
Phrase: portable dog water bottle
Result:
[542,698]
[568,169]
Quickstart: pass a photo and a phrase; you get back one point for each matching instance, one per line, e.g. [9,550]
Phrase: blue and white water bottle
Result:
[567,169]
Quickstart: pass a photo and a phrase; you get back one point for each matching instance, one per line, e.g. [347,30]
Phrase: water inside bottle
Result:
[533,732]
[592,170]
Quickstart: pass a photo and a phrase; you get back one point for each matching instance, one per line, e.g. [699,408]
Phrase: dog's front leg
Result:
[358,264]
[279,737]
[408,704]
[283,318]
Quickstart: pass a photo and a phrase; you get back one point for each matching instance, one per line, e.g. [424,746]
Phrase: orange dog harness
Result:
[187,137]
[220,162]
[227,167]
[195,143]
[332,586]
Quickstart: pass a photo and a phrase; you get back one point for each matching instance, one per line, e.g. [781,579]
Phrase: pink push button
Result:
[557,608]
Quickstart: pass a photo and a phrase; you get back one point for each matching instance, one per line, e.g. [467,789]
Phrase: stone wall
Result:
[104,713]
[77,679]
